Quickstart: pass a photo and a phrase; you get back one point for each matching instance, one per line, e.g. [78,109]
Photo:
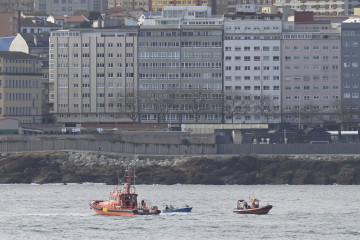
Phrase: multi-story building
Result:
[233,4]
[94,75]
[21,87]
[350,74]
[350,5]
[319,7]
[219,7]
[152,5]
[9,23]
[68,7]
[130,5]
[180,66]
[24,6]
[311,71]
[37,45]
[252,76]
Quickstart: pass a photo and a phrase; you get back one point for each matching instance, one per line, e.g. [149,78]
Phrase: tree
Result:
[85,24]
[94,16]
[310,113]
[130,105]
[235,104]
[163,103]
[349,113]
[198,101]
[306,114]
[266,106]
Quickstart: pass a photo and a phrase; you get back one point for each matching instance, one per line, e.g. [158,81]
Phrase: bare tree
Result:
[131,105]
[235,104]
[310,113]
[307,114]
[267,107]
[349,113]
[163,102]
[199,101]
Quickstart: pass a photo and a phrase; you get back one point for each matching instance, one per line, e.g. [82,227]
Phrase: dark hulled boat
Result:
[254,208]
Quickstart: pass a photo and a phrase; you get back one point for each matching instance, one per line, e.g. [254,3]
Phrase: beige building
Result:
[155,6]
[68,7]
[93,74]
[21,87]
[319,7]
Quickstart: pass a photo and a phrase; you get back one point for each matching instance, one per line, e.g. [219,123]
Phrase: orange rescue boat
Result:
[123,201]
[255,208]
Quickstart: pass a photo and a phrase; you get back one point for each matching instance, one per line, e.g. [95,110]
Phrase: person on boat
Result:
[166,207]
[143,204]
[245,205]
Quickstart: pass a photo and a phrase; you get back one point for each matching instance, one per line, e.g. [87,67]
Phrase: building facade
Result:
[180,67]
[21,87]
[252,73]
[350,33]
[151,5]
[9,23]
[311,67]
[68,7]
[320,7]
[93,74]
[350,5]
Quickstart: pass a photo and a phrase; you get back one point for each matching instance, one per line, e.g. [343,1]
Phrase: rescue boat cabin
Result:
[124,196]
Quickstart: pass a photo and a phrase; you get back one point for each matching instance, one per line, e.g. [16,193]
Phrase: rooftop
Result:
[16,55]
[36,22]
[42,39]
[70,18]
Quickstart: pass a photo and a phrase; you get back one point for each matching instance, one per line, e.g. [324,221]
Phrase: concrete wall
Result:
[106,146]
[339,148]
[173,149]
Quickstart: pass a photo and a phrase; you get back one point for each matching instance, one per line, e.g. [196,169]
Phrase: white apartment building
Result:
[252,68]
[94,74]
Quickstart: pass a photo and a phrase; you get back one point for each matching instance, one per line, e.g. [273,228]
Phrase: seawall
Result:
[78,167]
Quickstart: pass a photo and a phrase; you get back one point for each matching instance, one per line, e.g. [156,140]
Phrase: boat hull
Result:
[178,210]
[260,210]
[122,212]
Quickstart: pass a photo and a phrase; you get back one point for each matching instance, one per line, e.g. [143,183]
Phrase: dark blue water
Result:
[299,212]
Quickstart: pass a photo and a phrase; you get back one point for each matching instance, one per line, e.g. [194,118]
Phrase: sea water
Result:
[299,212]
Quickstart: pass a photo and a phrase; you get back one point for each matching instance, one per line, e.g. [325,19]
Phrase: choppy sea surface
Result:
[299,212]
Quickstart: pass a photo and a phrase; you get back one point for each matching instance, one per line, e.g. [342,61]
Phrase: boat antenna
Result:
[134,173]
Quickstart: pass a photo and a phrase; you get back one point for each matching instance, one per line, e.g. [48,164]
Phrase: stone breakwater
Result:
[78,167]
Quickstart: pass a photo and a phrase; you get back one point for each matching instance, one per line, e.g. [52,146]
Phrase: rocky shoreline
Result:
[78,167]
